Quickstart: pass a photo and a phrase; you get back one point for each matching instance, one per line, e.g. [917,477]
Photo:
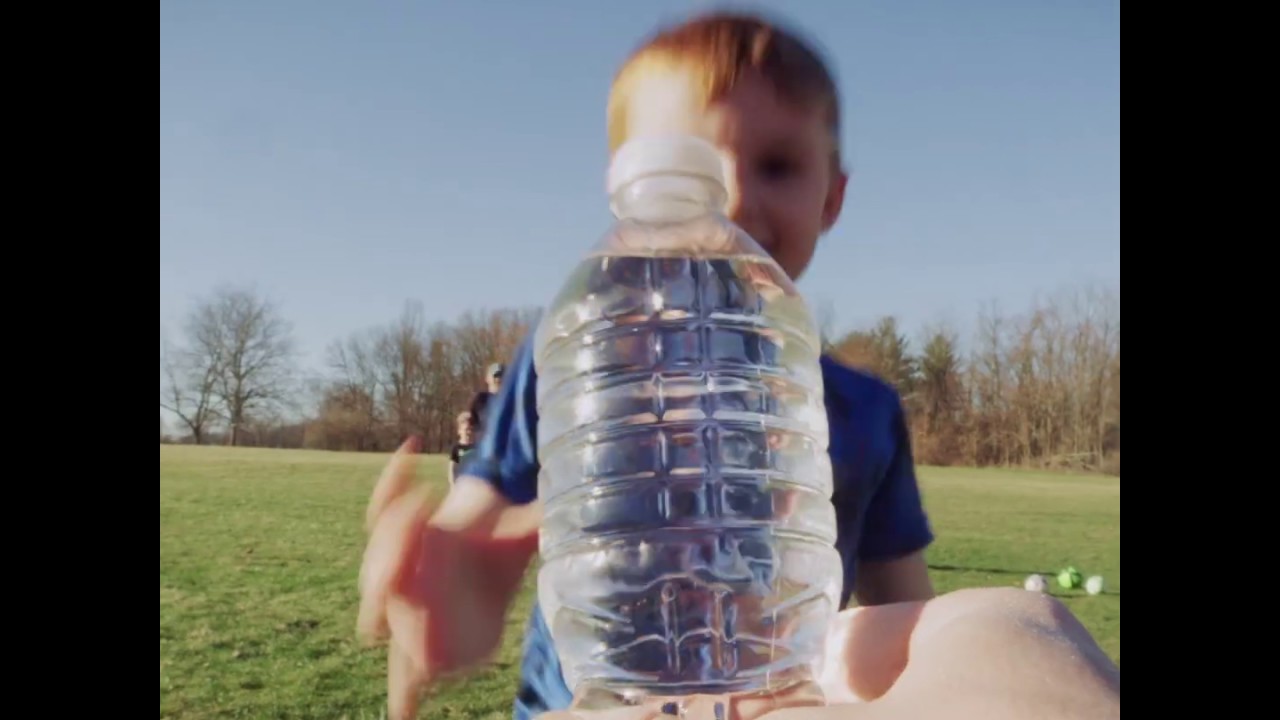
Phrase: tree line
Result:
[1038,388]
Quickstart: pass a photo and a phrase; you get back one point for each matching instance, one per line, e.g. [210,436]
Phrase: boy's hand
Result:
[985,654]
[437,580]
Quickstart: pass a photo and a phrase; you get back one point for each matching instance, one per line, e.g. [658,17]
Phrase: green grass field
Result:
[259,552]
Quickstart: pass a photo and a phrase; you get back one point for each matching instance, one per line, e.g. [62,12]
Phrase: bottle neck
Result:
[668,198]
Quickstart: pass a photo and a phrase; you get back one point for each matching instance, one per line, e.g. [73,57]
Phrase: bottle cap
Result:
[665,155]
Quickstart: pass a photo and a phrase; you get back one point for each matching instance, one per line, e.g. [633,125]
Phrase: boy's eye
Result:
[775,168]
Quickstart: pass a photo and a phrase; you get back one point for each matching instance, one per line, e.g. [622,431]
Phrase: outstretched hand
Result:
[438,577]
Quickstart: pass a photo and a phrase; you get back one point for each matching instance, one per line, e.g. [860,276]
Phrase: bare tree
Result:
[241,350]
[941,398]
[988,380]
[258,350]
[484,337]
[1044,385]
[188,388]
[1041,387]
[411,377]
[399,353]
[444,393]
[344,422]
[349,407]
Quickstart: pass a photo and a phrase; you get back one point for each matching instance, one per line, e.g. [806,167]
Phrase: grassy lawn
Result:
[259,552]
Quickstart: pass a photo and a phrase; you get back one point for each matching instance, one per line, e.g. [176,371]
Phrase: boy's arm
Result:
[891,562]
[880,582]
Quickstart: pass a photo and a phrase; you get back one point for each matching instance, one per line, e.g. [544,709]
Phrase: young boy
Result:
[767,101]
[462,445]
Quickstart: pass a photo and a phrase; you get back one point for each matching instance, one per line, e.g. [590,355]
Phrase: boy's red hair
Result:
[720,48]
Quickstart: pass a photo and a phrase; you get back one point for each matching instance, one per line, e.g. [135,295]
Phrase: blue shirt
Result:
[879,513]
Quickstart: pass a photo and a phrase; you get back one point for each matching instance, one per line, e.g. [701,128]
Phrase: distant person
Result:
[463,444]
[480,403]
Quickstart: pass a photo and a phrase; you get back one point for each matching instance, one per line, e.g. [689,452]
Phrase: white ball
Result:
[1093,585]
[1036,583]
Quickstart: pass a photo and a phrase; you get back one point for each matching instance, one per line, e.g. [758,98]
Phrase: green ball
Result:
[1070,578]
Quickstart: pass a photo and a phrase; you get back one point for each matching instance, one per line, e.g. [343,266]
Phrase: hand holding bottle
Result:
[985,654]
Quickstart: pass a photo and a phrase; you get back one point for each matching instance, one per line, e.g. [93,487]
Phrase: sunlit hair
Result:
[719,49]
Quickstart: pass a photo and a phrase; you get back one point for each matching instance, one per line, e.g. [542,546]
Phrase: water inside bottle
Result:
[688,536]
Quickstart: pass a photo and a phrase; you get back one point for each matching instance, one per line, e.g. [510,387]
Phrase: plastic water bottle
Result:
[688,537]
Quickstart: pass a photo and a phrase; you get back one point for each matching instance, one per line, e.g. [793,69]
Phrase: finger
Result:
[874,645]
[475,508]
[404,685]
[395,541]
[472,507]
[395,481]
[407,623]
[519,522]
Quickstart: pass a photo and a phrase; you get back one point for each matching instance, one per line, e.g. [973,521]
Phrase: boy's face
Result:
[784,188]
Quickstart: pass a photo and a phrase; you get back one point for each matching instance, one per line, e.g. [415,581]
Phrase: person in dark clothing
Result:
[464,443]
[480,403]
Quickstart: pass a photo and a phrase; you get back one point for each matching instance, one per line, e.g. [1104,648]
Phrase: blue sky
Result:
[348,156]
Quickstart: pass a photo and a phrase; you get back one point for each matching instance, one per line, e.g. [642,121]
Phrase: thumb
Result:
[394,542]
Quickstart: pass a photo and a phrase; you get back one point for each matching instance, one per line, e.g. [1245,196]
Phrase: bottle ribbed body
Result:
[688,536]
